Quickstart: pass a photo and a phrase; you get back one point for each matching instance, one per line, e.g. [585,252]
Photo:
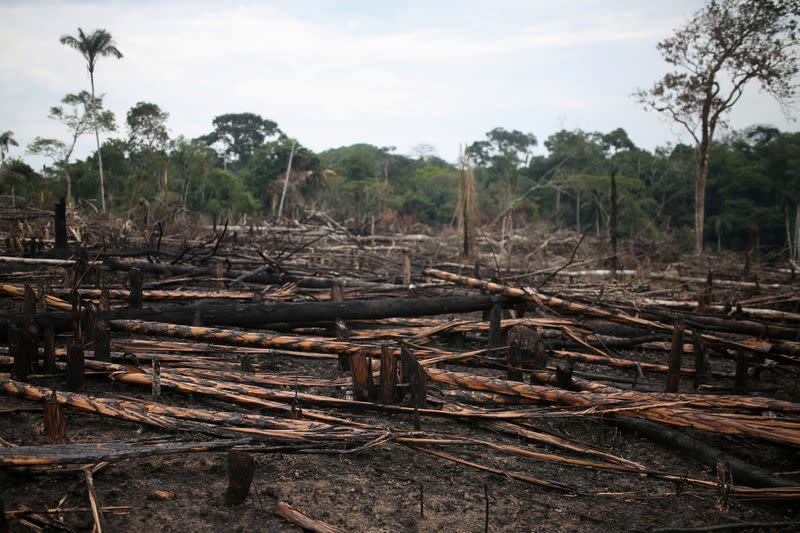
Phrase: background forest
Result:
[238,170]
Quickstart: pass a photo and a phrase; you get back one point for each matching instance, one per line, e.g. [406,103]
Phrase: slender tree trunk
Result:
[99,154]
[578,211]
[789,239]
[700,195]
[286,182]
[558,208]
[69,186]
[797,232]
[612,230]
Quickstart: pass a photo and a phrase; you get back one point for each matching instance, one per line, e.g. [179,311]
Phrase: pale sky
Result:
[334,73]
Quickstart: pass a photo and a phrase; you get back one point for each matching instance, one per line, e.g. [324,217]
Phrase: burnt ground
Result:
[384,487]
[379,489]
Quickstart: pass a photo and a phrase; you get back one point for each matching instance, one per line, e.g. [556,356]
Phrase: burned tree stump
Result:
[363,387]
[88,323]
[29,300]
[701,362]
[102,341]
[75,367]
[22,346]
[241,468]
[49,350]
[416,378]
[456,340]
[527,350]
[388,376]
[343,334]
[564,375]
[135,282]
[674,372]
[740,381]
[495,330]
[514,361]
[61,225]
[54,423]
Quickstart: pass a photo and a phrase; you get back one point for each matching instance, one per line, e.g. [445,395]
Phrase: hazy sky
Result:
[333,73]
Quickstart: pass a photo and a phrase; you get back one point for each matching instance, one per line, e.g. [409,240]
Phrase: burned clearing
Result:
[303,375]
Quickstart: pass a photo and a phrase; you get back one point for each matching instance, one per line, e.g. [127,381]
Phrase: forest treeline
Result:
[238,169]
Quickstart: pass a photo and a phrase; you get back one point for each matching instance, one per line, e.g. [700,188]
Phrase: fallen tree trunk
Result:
[262,315]
[743,473]
[59,454]
[773,350]
[638,405]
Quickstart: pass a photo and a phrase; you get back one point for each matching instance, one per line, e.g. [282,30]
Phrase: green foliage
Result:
[19,177]
[6,141]
[92,46]
[147,126]
[430,194]
[239,134]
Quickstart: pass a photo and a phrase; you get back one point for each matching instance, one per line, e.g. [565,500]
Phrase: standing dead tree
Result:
[465,212]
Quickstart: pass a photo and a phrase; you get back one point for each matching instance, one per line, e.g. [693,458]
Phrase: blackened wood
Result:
[455,340]
[388,376]
[41,300]
[29,300]
[564,372]
[49,338]
[75,367]
[263,315]
[22,347]
[740,381]
[533,355]
[744,473]
[156,379]
[514,361]
[83,453]
[105,299]
[343,334]
[5,525]
[61,225]
[241,468]
[414,375]
[701,362]
[246,364]
[676,354]
[135,281]
[363,387]
[88,324]
[102,341]
[495,331]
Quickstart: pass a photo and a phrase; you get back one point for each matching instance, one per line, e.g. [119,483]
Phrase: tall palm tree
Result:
[92,47]
[6,140]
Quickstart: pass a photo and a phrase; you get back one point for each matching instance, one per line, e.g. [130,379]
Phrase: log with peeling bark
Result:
[773,350]
[283,431]
[293,515]
[83,453]
[671,413]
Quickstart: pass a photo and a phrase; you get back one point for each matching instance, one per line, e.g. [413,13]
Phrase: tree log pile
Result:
[322,345]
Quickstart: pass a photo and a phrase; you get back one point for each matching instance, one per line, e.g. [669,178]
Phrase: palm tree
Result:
[6,140]
[92,47]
